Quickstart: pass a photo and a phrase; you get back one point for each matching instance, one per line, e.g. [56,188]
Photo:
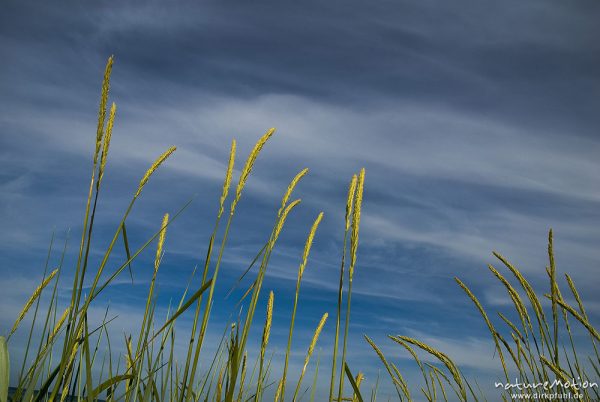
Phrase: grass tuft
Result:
[539,338]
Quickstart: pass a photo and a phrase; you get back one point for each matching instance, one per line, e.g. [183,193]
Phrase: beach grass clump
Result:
[72,357]
[537,348]
[66,362]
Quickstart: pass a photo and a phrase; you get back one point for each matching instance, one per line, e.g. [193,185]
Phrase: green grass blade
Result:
[182,309]
[111,382]
[356,213]
[398,384]
[353,383]
[4,370]
[127,251]
[314,384]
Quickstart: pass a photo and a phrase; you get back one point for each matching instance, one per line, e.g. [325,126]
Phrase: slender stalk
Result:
[238,193]
[314,384]
[263,347]
[353,250]
[349,203]
[37,305]
[309,353]
[305,255]
[282,215]
[224,193]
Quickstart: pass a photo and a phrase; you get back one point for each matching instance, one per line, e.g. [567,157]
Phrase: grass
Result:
[537,345]
[534,350]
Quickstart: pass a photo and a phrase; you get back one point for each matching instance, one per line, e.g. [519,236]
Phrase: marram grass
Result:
[4,369]
[539,353]
[305,254]
[533,343]
[36,294]
[159,161]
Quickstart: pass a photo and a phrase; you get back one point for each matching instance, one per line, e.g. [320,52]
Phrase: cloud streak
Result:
[477,125]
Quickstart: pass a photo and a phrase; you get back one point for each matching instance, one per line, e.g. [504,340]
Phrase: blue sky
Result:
[477,123]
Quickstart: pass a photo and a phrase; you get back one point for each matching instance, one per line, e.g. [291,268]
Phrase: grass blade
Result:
[4,370]
[353,383]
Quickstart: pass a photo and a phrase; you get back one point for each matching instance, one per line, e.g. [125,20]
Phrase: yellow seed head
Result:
[73,352]
[282,219]
[154,166]
[356,220]
[32,299]
[59,324]
[242,378]
[227,182]
[440,356]
[65,392]
[311,349]
[161,240]
[290,188]
[537,307]
[248,166]
[107,138]
[267,329]
[308,244]
[102,107]
[278,393]
[315,338]
[397,379]
[350,200]
[576,294]
[491,327]
[359,377]
[515,297]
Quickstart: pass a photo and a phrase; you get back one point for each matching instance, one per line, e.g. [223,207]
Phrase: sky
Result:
[476,121]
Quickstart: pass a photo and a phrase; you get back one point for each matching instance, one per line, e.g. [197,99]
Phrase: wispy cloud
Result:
[477,124]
